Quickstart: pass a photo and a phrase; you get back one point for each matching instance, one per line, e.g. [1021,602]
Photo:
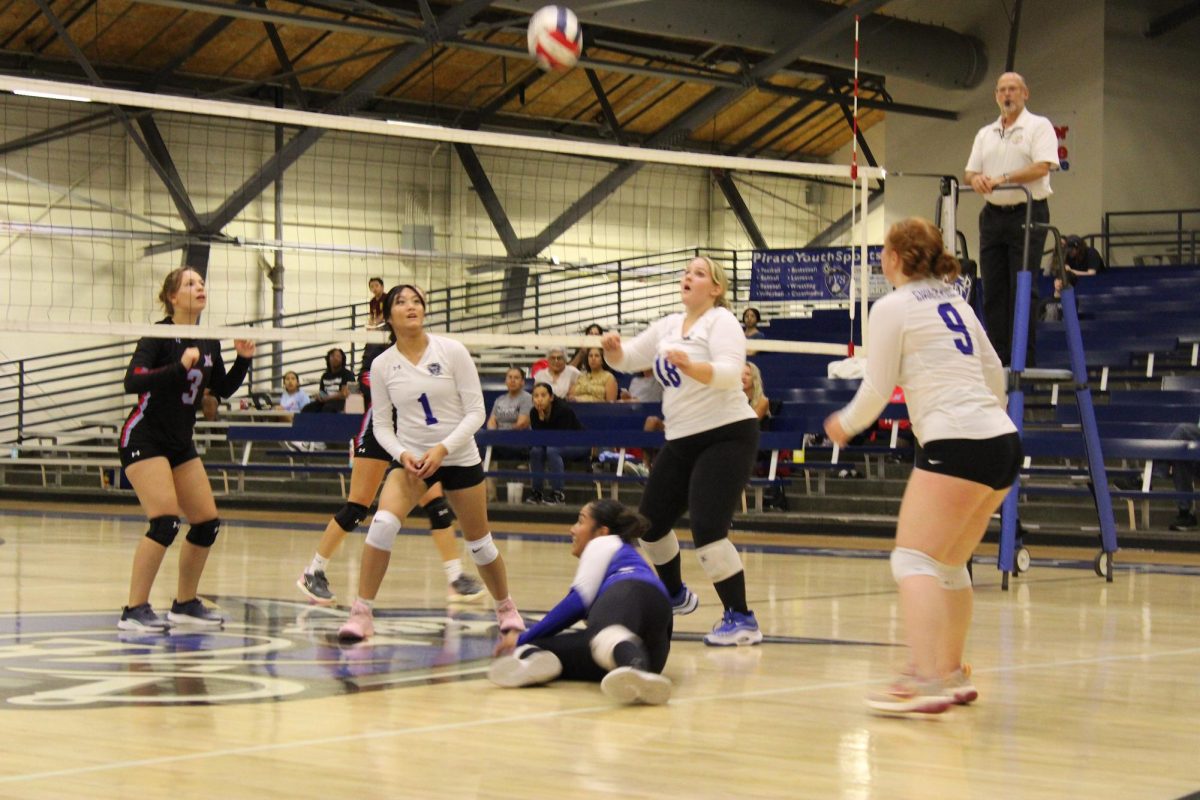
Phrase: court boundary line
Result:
[544,715]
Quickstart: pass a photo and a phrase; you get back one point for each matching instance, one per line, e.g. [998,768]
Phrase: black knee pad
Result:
[163,530]
[350,516]
[440,513]
[203,534]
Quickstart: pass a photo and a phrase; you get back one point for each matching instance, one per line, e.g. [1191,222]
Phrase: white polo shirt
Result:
[996,151]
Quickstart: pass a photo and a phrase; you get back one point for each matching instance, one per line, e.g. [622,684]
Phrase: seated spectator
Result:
[209,405]
[560,375]
[643,388]
[335,384]
[1185,479]
[510,412]
[596,384]
[579,360]
[1050,308]
[375,313]
[1080,260]
[750,320]
[752,385]
[293,398]
[551,413]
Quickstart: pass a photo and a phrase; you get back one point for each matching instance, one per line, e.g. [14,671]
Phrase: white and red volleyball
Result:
[555,37]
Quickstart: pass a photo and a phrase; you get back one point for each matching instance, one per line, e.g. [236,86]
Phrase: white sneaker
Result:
[629,685]
[525,666]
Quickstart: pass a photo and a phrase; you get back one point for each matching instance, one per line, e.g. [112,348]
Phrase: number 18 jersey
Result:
[925,338]
[438,400]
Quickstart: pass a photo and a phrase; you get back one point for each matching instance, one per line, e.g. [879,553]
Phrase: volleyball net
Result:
[518,240]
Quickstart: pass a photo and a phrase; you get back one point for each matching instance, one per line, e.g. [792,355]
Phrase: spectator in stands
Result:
[1050,309]
[375,319]
[293,397]
[551,413]
[209,406]
[750,320]
[596,384]
[1018,148]
[643,388]
[335,384]
[1185,479]
[752,385]
[558,373]
[1081,260]
[579,360]
[511,410]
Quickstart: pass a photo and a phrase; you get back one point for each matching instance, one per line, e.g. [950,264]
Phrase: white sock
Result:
[368,603]
[319,563]
[453,569]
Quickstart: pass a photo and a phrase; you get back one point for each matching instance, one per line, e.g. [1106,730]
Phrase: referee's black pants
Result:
[1001,243]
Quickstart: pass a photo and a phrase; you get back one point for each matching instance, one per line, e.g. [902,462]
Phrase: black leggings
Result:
[635,604]
[703,474]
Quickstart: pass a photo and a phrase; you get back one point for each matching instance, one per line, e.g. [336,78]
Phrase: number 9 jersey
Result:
[438,400]
[689,406]
[925,338]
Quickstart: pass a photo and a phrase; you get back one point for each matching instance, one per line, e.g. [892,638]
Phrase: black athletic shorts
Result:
[141,446]
[367,446]
[457,477]
[993,462]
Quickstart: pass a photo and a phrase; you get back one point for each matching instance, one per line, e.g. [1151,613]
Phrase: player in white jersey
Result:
[927,339]
[432,385]
[712,440]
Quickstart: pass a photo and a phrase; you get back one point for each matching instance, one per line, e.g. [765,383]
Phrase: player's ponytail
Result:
[620,520]
[170,286]
[918,243]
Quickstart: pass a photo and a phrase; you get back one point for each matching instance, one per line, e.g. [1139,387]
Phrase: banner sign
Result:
[811,273]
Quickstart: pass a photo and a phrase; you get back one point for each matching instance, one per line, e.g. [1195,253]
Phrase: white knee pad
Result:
[382,533]
[907,562]
[720,560]
[663,550]
[483,551]
[605,642]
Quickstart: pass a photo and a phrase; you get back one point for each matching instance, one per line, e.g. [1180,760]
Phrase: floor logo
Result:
[269,650]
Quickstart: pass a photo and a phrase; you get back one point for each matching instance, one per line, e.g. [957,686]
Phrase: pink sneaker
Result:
[908,694]
[959,686]
[508,616]
[360,625]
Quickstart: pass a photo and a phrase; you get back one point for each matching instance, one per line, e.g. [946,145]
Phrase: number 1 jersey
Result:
[438,400]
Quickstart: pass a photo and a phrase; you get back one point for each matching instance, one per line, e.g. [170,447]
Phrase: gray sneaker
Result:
[142,619]
[316,586]
[464,588]
[194,613]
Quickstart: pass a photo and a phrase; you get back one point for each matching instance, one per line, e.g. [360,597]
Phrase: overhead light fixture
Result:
[52,96]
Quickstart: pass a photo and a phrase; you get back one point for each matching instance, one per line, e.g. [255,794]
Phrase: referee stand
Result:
[1013,557]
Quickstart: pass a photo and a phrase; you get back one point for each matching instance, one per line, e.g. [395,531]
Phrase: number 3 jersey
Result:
[438,400]
[168,393]
[925,338]
[689,406]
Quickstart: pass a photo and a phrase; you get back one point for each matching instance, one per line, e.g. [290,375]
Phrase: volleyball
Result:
[555,37]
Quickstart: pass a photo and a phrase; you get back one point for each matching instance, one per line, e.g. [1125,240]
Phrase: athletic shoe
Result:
[316,586]
[684,601]
[958,685]
[1186,521]
[735,628]
[142,619]
[464,589]
[554,498]
[534,498]
[525,666]
[361,624]
[911,695]
[194,613]
[508,617]
[629,685]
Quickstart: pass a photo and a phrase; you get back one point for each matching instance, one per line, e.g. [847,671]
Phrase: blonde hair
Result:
[720,277]
[918,243]
[756,384]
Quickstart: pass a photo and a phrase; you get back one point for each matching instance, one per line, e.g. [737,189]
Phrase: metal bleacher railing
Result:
[47,391]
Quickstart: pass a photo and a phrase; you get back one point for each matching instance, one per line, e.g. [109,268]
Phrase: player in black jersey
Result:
[169,377]
[371,463]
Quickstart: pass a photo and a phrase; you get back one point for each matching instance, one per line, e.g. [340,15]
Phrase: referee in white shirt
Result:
[1018,148]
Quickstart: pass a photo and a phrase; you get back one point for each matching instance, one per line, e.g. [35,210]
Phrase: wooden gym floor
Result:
[1088,689]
